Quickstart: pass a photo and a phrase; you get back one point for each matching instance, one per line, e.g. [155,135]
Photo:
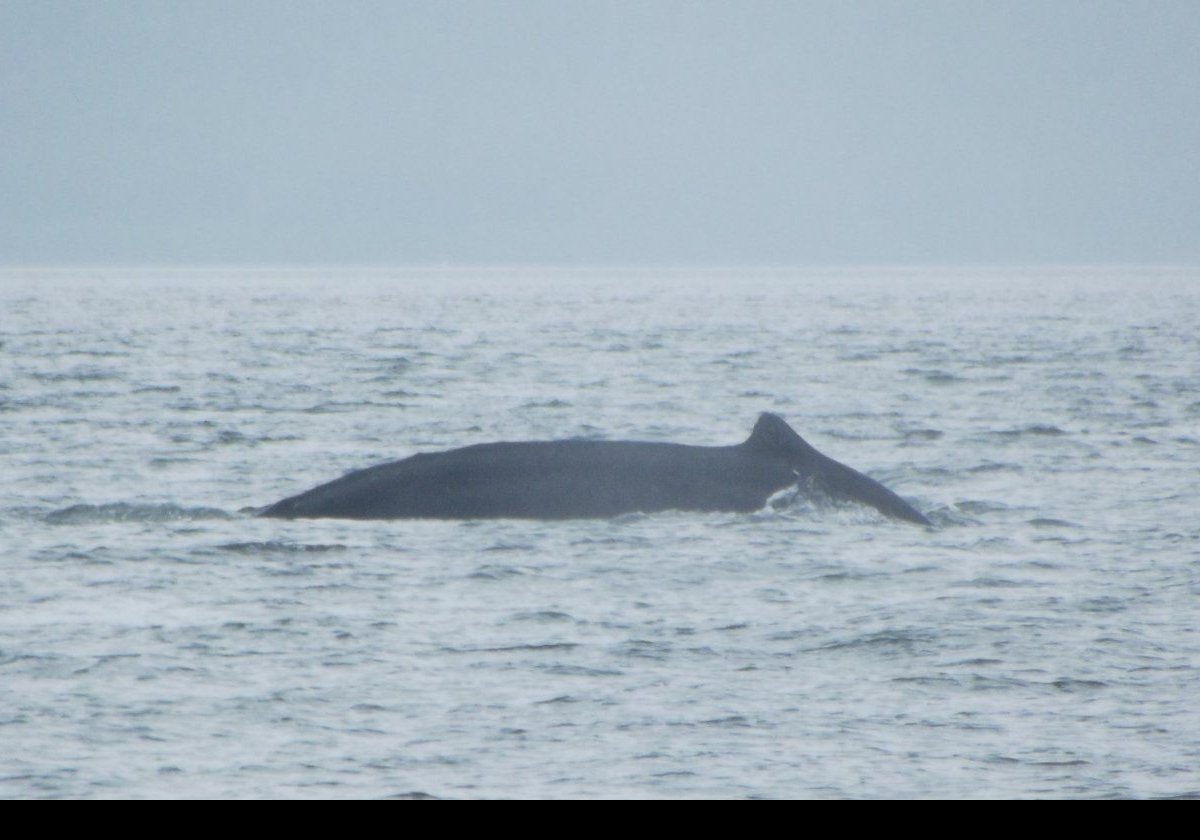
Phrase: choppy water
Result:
[1043,640]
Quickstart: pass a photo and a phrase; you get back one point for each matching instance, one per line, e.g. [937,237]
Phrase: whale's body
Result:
[588,479]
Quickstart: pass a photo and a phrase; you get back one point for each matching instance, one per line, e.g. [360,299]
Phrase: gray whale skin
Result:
[569,479]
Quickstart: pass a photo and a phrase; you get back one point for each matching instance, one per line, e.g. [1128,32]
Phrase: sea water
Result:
[158,640]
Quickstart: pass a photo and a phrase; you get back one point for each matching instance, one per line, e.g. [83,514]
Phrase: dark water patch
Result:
[276,438]
[791,636]
[919,569]
[622,540]
[562,699]
[1059,539]
[733,721]
[848,435]
[873,416]
[774,596]
[372,708]
[343,407]
[543,617]
[589,432]
[547,404]
[976,507]
[123,512]
[938,472]
[223,377]
[581,671]
[7,658]
[994,466]
[1042,522]
[983,683]
[495,572]
[157,389]
[77,375]
[889,642]
[1044,564]
[1075,374]
[992,583]
[1003,543]
[1078,762]
[394,366]
[75,406]
[1037,430]
[61,554]
[162,463]
[1015,359]
[531,648]
[275,547]
[977,662]
[1104,605]
[511,547]
[1073,686]
[673,774]
[231,436]
[848,577]
[644,649]
[935,377]
[922,434]
[100,354]
[413,795]
[940,680]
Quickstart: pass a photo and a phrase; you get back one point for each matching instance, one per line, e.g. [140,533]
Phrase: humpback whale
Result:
[570,479]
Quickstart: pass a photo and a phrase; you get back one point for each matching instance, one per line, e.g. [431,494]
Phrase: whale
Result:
[576,479]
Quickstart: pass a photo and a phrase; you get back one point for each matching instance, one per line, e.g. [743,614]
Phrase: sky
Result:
[580,132]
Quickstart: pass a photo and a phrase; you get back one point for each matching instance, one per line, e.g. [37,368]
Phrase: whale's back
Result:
[548,480]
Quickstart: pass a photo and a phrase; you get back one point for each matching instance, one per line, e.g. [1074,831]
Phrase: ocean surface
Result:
[158,640]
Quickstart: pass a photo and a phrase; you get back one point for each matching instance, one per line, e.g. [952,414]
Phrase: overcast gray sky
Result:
[572,131]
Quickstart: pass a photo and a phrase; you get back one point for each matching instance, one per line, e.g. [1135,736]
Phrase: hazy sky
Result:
[572,131]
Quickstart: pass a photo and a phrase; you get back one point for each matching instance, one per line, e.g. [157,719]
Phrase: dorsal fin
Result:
[773,437]
[772,434]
